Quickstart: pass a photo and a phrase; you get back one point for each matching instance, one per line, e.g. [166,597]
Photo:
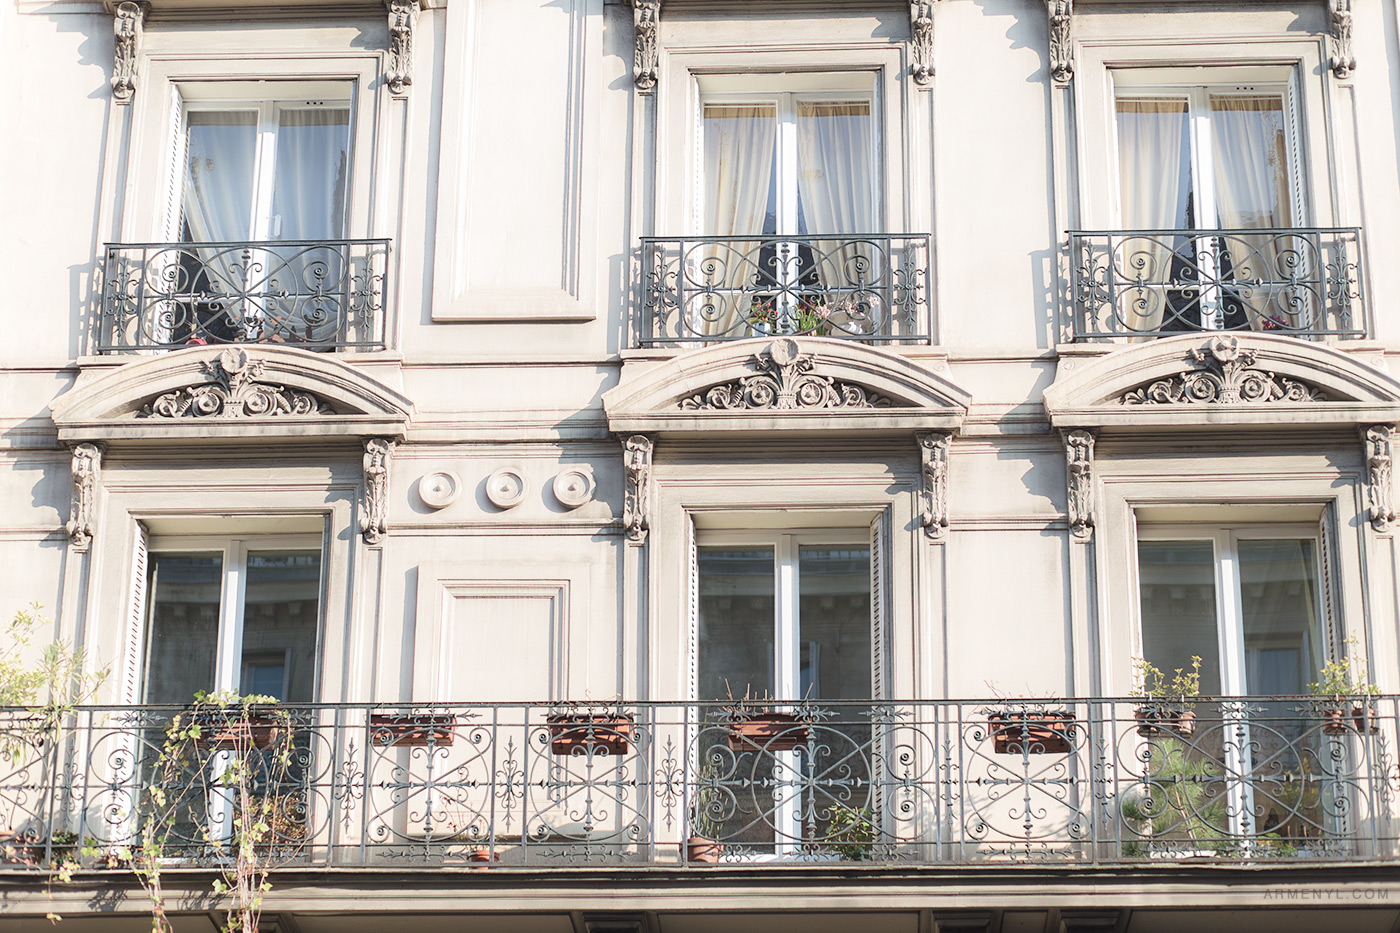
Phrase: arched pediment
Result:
[1234,379]
[209,393]
[786,384]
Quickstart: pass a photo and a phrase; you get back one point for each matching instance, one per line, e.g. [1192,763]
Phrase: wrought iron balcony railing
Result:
[1304,281]
[1259,781]
[315,294]
[702,290]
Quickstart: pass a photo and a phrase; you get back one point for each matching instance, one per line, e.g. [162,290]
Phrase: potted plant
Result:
[575,732]
[1169,704]
[1174,810]
[413,729]
[235,726]
[851,833]
[752,723]
[1031,731]
[1346,685]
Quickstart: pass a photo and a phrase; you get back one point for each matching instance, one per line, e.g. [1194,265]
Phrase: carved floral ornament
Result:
[234,392]
[403,16]
[785,381]
[1223,374]
[128,24]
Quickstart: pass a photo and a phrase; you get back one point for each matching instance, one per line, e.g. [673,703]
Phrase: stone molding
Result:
[674,396]
[281,393]
[1277,382]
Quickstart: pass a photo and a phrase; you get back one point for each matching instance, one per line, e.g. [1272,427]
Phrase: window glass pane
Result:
[313,155]
[182,633]
[1279,599]
[835,167]
[834,623]
[739,168]
[1251,161]
[736,623]
[280,614]
[1154,162]
[1177,580]
[218,198]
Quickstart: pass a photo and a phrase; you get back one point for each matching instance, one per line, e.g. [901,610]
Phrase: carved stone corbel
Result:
[128,25]
[636,460]
[921,41]
[1079,474]
[403,16]
[87,464]
[1379,475]
[1061,50]
[1339,18]
[646,17]
[374,505]
[933,456]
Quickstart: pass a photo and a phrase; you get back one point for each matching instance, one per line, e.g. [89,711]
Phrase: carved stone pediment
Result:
[810,384]
[1224,374]
[1221,380]
[213,393]
[784,381]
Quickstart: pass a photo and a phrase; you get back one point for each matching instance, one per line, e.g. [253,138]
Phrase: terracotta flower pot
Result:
[1154,719]
[702,850]
[257,731]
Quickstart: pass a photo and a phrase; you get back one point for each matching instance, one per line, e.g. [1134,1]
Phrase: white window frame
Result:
[1229,618]
[787,654]
[233,551]
[784,92]
[1159,83]
[262,225]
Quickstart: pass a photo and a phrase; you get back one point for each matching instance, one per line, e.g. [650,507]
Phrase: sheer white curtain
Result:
[739,153]
[218,198]
[836,187]
[308,195]
[1154,159]
[1251,180]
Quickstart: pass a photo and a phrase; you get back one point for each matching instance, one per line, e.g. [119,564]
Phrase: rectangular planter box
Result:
[413,729]
[583,733]
[772,732]
[1031,733]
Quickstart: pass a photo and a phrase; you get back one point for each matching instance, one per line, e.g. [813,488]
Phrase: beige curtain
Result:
[836,183]
[1251,180]
[1154,159]
[739,148]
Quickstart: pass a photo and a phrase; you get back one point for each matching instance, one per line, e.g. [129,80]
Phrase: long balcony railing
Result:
[1302,281]
[315,294]
[701,290]
[1251,780]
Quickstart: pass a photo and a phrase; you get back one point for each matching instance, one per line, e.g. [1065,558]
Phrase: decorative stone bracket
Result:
[403,17]
[636,461]
[921,42]
[1339,21]
[87,465]
[646,18]
[374,505]
[1061,40]
[1079,476]
[1379,475]
[128,26]
[933,457]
